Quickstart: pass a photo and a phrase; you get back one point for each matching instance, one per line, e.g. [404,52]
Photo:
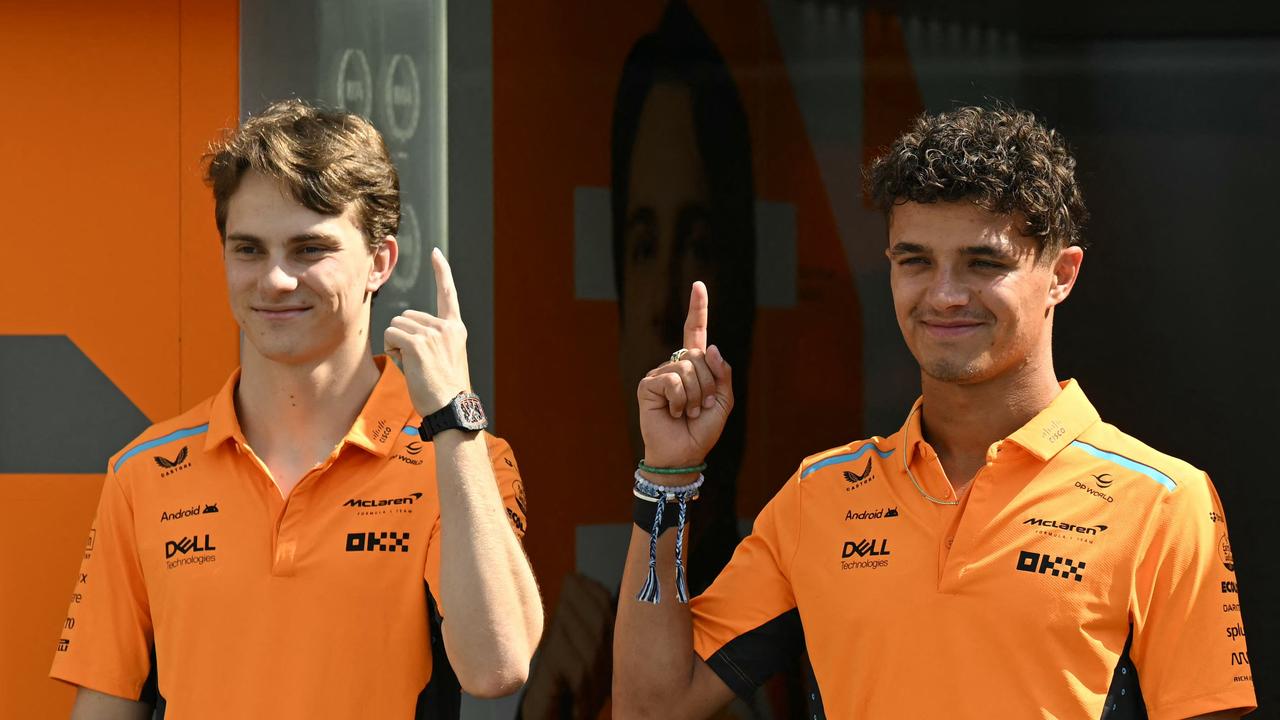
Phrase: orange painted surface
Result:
[563,406]
[107,238]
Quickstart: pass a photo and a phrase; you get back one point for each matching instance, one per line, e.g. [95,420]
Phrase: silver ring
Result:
[678,355]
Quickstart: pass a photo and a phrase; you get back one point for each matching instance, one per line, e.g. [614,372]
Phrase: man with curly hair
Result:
[1004,553]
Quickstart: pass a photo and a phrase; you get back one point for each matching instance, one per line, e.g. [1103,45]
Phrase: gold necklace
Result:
[905,446]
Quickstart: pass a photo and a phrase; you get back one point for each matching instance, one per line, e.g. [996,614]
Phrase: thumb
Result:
[722,373]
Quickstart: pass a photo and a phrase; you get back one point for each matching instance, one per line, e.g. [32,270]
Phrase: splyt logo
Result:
[1235,632]
[871,514]
[378,541]
[179,462]
[1224,553]
[1056,565]
[865,548]
[187,545]
[857,480]
[197,509]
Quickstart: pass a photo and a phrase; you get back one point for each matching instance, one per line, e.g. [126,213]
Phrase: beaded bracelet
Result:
[681,494]
[671,471]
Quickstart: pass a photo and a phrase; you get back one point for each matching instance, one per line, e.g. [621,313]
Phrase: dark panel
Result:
[58,412]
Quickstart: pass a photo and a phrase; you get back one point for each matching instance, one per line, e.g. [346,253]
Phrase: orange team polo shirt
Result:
[243,604]
[1082,575]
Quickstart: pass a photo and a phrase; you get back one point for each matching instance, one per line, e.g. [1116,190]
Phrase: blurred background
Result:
[530,136]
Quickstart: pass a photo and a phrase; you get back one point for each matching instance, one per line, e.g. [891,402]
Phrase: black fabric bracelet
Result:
[643,511]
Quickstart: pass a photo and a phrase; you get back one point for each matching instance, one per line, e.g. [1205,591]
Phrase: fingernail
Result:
[694,411]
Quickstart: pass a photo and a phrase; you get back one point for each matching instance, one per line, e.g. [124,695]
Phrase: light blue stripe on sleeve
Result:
[175,435]
[1128,464]
[847,457]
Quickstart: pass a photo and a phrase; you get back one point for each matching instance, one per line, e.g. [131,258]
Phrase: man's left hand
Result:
[432,350]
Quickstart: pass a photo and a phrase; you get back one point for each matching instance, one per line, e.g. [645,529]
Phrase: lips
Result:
[950,328]
[280,313]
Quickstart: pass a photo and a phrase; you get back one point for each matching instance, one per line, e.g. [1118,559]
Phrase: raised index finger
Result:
[695,324]
[446,293]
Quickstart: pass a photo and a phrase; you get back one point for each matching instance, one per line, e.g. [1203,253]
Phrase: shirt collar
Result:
[1054,428]
[376,429]
[1058,425]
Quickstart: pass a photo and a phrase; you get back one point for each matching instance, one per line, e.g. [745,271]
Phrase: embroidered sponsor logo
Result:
[1046,564]
[179,462]
[857,480]
[1235,632]
[871,514]
[876,550]
[1224,553]
[378,542]
[197,509]
[189,550]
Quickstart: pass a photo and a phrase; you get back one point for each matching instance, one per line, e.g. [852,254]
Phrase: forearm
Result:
[656,673]
[493,614]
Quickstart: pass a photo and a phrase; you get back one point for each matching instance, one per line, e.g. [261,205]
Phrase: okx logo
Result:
[1056,565]
[378,542]
[179,462]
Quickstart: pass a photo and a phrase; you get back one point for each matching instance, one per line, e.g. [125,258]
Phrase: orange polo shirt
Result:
[1082,575]
[243,604]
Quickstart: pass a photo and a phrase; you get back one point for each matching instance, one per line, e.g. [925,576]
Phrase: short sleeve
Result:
[1188,633]
[107,636]
[746,626]
[507,475]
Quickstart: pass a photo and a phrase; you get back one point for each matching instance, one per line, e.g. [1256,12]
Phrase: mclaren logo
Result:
[358,503]
[1066,526]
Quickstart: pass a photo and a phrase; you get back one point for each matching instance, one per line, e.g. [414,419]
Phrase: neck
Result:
[302,411]
[961,421]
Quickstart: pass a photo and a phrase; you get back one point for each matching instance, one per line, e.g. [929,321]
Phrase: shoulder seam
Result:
[1129,463]
[823,460]
[157,442]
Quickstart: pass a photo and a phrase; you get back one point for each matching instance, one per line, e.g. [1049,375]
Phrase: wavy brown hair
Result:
[328,160]
[1000,159]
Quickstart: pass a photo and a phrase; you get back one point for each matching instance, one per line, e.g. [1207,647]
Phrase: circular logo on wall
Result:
[409,238]
[354,82]
[1224,553]
[402,98]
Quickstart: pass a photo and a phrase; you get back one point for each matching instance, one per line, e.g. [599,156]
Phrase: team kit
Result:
[335,534]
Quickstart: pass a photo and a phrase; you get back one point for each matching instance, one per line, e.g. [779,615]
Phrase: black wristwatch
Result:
[464,412]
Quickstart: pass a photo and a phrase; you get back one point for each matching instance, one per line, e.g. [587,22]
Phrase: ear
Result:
[1065,271]
[384,262]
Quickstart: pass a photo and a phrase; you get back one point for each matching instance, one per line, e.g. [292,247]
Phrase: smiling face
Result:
[300,282]
[973,300]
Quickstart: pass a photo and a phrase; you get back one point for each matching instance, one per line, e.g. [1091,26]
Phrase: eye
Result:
[988,264]
[914,260]
[244,249]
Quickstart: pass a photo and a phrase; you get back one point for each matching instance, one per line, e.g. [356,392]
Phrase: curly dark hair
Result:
[327,159]
[1001,159]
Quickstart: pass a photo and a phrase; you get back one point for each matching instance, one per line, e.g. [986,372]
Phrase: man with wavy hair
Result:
[289,547]
[1004,553]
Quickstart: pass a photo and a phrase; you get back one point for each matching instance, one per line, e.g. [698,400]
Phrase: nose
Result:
[946,290]
[277,280]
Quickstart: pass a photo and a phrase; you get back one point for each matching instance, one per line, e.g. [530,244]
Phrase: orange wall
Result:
[107,237]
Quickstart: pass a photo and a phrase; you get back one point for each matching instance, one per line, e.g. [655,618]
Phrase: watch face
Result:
[471,412]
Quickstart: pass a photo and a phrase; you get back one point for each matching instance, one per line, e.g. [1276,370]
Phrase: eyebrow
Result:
[301,238]
[906,248]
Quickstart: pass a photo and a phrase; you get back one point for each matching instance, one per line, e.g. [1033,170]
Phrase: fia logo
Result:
[857,480]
